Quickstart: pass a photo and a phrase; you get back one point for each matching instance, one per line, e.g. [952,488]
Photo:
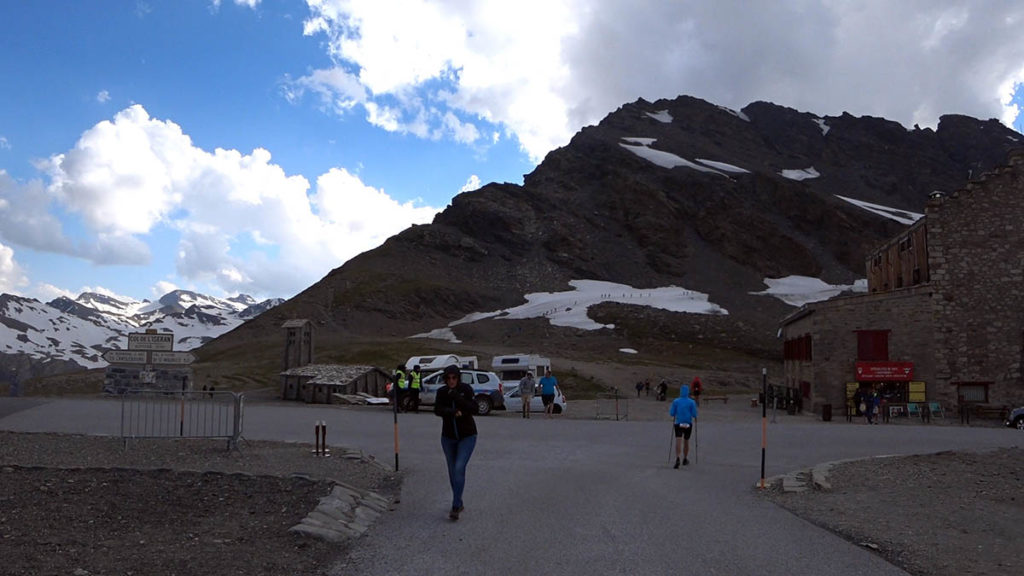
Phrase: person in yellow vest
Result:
[399,386]
[414,388]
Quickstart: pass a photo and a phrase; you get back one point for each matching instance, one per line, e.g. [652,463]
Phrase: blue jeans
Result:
[456,454]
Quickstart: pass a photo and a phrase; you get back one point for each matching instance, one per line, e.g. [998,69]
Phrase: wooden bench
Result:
[705,399]
[993,411]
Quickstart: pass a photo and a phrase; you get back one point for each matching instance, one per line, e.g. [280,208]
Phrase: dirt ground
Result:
[86,506]
[945,514]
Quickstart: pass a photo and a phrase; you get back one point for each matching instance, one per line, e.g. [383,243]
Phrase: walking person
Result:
[414,388]
[684,415]
[696,388]
[547,391]
[873,401]
[398,385]
[455,405]
[662,391]
[527,386]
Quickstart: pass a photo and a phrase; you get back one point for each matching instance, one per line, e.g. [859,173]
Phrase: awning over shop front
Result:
[885,371]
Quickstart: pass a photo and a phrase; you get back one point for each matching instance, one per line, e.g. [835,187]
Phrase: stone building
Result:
[318,383]
[943,319]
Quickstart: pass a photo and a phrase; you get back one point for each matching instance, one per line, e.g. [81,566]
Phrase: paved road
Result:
[567,497]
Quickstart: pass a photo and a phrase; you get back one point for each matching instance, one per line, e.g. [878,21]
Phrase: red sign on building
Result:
[885,371]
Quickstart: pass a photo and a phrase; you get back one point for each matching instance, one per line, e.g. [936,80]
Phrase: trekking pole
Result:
[671,437]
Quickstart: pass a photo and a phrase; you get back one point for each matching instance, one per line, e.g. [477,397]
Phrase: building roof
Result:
[797,314]
[329,373]
[295,323]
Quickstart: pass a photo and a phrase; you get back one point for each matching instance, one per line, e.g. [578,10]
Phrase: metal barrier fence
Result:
[160,414]
[613,405]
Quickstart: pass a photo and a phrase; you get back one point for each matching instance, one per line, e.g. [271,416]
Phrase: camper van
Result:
[511,368]
[429,364]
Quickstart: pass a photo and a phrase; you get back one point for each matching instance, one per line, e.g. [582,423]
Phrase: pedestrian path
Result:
[565,496]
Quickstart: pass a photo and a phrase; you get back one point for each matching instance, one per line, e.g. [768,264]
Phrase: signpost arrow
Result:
[125,356]
[172,357]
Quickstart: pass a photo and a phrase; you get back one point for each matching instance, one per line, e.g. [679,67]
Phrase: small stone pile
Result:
[346,512]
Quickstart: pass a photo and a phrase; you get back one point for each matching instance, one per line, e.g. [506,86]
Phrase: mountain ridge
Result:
[674,192]
[71,334]
[677,192]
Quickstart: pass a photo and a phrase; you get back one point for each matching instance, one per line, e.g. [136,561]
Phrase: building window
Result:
[972,391]
[797,349]
[872,345]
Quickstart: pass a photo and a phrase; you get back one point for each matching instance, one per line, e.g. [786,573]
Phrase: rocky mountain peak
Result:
[677,192]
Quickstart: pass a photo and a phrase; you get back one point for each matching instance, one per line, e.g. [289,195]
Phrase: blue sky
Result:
[254,145]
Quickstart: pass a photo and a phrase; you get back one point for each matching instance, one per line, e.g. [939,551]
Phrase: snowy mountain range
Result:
[79,330]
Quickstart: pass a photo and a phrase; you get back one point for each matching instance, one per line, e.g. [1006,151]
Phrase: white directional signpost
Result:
[125,356]
[176,358]
[162,341]
[147,350]
[150,348]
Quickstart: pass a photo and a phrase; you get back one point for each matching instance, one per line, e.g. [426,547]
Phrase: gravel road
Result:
[601,492]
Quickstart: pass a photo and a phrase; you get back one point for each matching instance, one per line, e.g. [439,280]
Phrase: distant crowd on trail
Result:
[696,388]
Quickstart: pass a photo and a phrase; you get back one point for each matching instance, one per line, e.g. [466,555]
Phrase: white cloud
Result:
[244,224]
[337,89]
[12,277]
[162,287]
[125,176]
[103,96]
[583,58]
[215,4]
[47,292]
[106,292]
[25,217]
[473,183]
[4,143]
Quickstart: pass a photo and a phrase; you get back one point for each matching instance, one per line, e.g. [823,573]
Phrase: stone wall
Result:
[120,378]
[832,325]
[976,238]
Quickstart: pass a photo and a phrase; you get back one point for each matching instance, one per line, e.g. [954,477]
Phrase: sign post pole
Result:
[764,419]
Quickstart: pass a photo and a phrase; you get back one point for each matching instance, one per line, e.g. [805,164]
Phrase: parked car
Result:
[485,384]
[514,402]
[1016,418]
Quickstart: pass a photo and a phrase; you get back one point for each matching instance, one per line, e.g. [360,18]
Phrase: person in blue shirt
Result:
[684,415]
[547,391]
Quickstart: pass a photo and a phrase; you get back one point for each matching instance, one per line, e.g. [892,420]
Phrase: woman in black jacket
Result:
[455,405]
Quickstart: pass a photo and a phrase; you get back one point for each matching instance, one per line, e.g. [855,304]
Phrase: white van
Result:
[511,368]
[429,364]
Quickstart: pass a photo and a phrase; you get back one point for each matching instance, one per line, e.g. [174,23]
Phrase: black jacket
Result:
[451,400]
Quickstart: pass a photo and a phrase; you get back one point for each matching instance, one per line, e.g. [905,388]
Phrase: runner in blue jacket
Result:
[684,415]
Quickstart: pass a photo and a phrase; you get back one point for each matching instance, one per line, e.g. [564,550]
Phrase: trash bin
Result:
[826,412]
